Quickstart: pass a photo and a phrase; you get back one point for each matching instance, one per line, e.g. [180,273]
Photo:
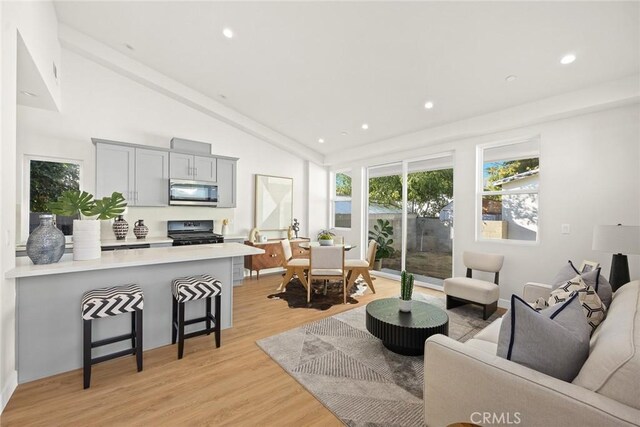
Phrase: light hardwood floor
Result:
[236,384]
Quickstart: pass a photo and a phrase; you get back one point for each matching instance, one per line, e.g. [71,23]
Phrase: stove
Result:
[192,232]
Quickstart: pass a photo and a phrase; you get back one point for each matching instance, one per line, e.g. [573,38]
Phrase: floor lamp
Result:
[618,240]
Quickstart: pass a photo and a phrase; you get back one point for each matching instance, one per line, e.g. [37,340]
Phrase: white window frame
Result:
[26,189]
[332,207]
[480,192]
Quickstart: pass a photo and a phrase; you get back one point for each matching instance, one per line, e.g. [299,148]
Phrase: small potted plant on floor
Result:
[406,290]
[325,238]
[381,233]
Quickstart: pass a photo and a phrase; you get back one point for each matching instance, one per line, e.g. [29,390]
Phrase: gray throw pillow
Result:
[592,278]
[554,341]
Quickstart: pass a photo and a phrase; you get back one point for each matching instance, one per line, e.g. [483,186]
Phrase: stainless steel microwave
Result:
[192,193]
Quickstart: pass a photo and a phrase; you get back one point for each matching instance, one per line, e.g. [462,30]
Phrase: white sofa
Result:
[467,382]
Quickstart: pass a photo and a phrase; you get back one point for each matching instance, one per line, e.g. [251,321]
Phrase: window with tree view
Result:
[342,201]
[509,193]
[47,181]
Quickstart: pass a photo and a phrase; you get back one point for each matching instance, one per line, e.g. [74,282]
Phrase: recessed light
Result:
[24,92]
[344,133]
[365,126]
[321,141]
[428,105]
[128,46]
[228,33]
[511,78]
[568,59]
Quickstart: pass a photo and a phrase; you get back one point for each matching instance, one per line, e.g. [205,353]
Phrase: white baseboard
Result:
[504,303]
[8,389]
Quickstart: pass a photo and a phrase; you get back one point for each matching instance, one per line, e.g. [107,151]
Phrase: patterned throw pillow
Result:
[592,278]
[592,306]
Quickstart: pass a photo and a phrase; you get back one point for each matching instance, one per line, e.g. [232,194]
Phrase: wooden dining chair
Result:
[361,267]
[293,266]
[326,263]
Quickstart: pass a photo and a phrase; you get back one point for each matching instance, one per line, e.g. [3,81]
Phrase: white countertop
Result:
[132,258]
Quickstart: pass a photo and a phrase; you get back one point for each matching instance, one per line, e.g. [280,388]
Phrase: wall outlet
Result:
[565,229]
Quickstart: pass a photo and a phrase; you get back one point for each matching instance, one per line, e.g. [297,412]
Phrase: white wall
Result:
[36,23]
[100,103]
[590,174]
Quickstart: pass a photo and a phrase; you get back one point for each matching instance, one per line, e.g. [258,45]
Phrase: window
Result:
[342,200]
[45,180]
[508,191]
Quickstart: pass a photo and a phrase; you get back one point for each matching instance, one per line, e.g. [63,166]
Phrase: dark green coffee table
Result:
[405,333]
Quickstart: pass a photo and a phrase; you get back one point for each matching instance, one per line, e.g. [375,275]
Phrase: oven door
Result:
[192,193]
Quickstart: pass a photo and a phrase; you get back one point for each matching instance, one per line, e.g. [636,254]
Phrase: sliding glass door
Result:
[412,203]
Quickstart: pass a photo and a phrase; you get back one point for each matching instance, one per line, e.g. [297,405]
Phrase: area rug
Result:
[322,298]
[351,373]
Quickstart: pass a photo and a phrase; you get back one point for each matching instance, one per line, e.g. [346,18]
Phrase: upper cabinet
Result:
[196,168]
[141,175]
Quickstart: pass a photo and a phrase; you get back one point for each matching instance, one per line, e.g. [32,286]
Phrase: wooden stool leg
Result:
[138,338]
[218,320]
[174,320]
[180,330]
[207,314]
[86,349]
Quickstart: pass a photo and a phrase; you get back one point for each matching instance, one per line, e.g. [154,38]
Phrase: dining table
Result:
[308,245]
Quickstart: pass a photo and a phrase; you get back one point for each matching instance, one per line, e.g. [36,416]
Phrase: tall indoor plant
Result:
[381,233]
[86,232]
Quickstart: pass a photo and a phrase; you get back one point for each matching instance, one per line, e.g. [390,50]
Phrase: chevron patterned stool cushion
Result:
[111,301]
[196,287]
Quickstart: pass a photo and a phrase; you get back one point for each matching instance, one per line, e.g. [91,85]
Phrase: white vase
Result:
[404,306]
[86,239]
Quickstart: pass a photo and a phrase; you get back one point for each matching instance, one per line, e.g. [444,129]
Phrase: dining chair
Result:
[326,263]
[361,267]
[293,266]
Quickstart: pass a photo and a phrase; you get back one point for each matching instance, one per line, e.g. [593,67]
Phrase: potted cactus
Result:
[406,290]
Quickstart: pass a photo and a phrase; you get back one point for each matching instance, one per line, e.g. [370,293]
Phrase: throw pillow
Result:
[592,278]
[554,341]
[594,309]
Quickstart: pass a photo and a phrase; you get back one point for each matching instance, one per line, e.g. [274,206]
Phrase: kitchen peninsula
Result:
[49,323]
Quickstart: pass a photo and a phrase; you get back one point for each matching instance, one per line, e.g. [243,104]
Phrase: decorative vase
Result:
[325,242]
[86,239]
[140,230]
[120,228]
[404,305]
[45,244]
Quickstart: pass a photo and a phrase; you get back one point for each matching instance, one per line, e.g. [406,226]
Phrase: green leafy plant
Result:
[381,233]
[81,203]
[325,235]
[406,285]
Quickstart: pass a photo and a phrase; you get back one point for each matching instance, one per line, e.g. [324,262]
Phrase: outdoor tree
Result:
[343,184]
[49,180]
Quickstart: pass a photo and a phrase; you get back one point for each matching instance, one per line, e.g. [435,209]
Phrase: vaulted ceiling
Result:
[320,70]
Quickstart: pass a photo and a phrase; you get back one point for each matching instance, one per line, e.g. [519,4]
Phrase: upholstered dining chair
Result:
[361,267]
[466,290]
[326,263]
[293,266]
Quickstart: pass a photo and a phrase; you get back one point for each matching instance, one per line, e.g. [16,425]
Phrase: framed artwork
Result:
[274,202]
[588,266]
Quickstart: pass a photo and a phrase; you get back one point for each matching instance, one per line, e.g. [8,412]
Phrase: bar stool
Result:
[192,288]
[107,302]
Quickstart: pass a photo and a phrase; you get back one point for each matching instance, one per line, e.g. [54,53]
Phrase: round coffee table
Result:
[405,333]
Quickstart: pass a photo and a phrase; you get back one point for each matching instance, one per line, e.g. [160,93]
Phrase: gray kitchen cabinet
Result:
[141,175]
[226,183]
[152,178]
[115,170]
[238,263]
[191,167]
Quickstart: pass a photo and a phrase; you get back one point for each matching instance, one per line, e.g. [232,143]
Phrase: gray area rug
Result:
[349,370]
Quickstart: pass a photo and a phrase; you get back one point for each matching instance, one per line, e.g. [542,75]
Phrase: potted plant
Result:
[325,238]
[381,233]
[86,232]
[406,290]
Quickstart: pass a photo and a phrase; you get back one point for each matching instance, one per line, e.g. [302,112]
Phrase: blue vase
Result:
[46,244]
